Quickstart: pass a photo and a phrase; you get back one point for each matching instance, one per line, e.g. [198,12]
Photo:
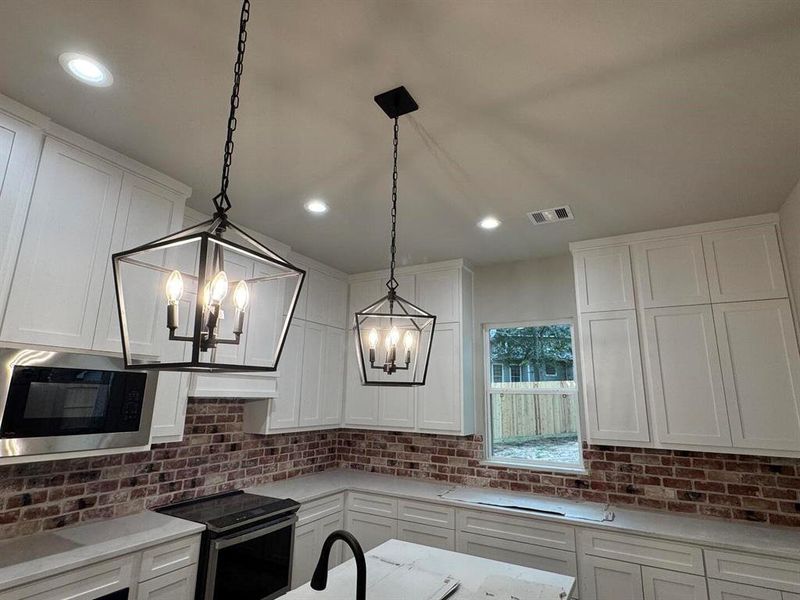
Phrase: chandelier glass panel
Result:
[210,297]
[393,337]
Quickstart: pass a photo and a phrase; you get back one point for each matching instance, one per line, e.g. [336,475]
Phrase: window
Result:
[533,417]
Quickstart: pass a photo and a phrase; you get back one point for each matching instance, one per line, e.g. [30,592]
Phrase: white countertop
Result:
[771,540]
[44,554]
[395,561]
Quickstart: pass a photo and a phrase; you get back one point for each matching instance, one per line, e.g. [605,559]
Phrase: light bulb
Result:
[219,288]
[373,338]
[408,340]
[207,293]
[241,295]
[174,287]
[394,336]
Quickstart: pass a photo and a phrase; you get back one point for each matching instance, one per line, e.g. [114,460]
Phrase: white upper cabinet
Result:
[439,401]
[55,293]
[285,408]
[761,373]
[332,389]
[397,407]
[146,211]
[744,264]
[612,377]
[670,272]
[439,293]
[312,375]
[685,378]
[603,279]
[326,301]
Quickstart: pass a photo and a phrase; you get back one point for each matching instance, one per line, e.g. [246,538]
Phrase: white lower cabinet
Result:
[660,584]
[729,590]
[426,535]
[606,579]
[370,530]
[178,585]
[308,540]
[517,553]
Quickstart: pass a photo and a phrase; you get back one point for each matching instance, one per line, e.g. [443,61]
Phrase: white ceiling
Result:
[638,114]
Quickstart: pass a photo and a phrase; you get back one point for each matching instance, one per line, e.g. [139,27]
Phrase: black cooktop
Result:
[223,512]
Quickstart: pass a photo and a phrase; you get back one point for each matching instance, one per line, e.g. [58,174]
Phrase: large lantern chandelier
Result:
[393,336]
[210,297]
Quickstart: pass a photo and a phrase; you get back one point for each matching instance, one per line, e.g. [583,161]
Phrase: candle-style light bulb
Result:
[219,288]
[373,339]
[408,340]
[394,335]
[241,295]
[174,287]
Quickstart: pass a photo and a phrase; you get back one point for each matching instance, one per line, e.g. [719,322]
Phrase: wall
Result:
[745,488]
[790,233]
[540,289]
[214,456]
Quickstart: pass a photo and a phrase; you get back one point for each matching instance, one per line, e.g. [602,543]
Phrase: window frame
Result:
[533,465]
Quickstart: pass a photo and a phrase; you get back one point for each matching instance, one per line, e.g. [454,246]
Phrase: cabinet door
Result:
[670,585]
[312,383]
[20,146]
[146,212]
[439,401]
[332,388]
[326,527]
[728,590]
[361,401]
[685,377]
[55,293]
[178,585]
[304,553]
[744,264]
[761,373]
[327,299]
[265,315]
[426,535]
[603,279]
[612,377]
[439,293]
[337,303]
[605,579]
[397,407]
[285,409]
[517,553]
[671,272]
[369,530]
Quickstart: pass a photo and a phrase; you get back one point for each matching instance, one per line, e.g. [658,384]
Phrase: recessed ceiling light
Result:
[316,206]
[489,222]
[86,69]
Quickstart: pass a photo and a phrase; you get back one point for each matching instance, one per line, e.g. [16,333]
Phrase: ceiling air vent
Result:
[551,215]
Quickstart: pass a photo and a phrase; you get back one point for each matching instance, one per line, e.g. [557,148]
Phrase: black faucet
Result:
[320,579]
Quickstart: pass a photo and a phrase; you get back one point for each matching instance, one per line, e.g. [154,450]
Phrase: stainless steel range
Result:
[246,551]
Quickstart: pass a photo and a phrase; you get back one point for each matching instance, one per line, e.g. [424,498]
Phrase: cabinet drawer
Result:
[169,557]
[520,529]
[517,553]
[772,573]
[426,513]
[642,551]
[728,590]
[87,583]
[322,507]
[427,535]
[371,504]
[178,585]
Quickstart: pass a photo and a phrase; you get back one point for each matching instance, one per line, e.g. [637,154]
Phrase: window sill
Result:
[537,468]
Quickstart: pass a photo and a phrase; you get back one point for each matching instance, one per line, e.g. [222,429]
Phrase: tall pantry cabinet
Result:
[688,341]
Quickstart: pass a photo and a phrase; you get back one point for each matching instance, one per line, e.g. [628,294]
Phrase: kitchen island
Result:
[403,571]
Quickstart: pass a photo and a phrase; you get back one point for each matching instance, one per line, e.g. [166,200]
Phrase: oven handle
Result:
[238,538]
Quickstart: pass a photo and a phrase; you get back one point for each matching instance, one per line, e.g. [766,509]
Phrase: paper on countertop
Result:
[415,582]
[587,511]
[502,587]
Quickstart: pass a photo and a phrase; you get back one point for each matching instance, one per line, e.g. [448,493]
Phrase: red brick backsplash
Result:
[214,456]
[730,486]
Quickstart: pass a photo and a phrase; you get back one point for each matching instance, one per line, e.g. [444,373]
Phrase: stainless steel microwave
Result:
[56,402]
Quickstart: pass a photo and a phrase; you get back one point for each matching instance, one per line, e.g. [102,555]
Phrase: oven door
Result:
[254,564]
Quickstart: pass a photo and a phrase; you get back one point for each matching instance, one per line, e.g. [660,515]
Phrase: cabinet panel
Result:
[397,407]
[761,373]
[603,279]
[671,272]
[323,507]
[744,264]
[326,299]
[361,401]
[55,294]
[372,504]
[326,527]
[761,571]
[304,557]
[178,585]
[145,212]
[685,377]
[426,513]
[728,590]
[612,377]
[311,382]
[641,550]
[285,409]
[517,553]
[438,292]
[332,387]
[427,535]
[370,531]
[520,529]
[439,401]
[168,557]
[604,579]
[668,585]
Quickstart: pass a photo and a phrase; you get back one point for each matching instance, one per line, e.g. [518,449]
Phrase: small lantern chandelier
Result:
[173,293]
[381,328]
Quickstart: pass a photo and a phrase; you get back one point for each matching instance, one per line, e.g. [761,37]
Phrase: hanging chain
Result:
[392,283]
[221,201]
